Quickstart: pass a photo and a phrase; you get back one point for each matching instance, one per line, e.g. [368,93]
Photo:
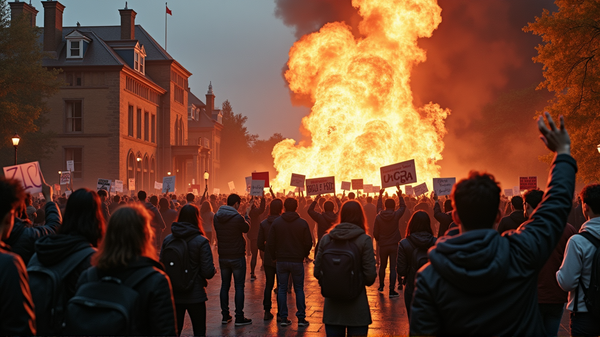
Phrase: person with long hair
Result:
[189,228]
[126,248]
[419,237]
[349,317]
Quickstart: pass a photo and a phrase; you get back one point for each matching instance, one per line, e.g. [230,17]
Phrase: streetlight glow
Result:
[15,140]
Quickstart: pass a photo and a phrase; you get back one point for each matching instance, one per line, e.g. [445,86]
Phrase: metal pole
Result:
[15,155]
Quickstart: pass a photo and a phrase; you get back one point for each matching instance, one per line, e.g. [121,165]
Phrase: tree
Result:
[24,86]
[570,54]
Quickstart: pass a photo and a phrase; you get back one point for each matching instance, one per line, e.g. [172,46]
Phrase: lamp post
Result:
[206,179]
[59,173]
[15,141]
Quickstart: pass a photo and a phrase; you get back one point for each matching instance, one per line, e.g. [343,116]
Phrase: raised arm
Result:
[401,206]
[311,209]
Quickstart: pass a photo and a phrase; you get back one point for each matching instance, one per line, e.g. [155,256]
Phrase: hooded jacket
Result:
[289,238]
[511,221]
[16,305]
[406,248]
[255,214]
[386,230]
[201,259]
[230,227]
[444,218]
[325,219]
[263,233]
[479,276]
[355,312]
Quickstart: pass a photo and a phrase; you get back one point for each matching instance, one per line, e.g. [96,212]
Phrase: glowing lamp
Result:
[598,147]
[169,173]
[16,139]
[206,173]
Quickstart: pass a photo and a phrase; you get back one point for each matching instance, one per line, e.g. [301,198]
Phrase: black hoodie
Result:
[324,220]
[263,233]
[230,226]
[406,249]
[289,239]
[386,230]
[512,221]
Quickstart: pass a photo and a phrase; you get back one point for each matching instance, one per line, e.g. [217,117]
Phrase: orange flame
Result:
[363,115]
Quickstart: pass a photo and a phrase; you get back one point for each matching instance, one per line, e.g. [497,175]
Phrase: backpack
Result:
[48,290]
[105,306]
[341,276]
[592,293]
[417,257]
[176,259]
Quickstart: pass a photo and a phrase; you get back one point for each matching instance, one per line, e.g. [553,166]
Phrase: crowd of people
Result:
[473,263]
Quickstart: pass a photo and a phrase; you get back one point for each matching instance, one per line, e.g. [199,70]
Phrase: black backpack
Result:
[341,270]
[176,259]
[417,257]
[48,290]
[592,293]
[105,306]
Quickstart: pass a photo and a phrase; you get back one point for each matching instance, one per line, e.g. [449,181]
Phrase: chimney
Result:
[210,100]
[127,23]
[22,8]
[53,20]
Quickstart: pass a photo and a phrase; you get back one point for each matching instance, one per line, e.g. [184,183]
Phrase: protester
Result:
[189,229]
[516,217]
[411,252]
[113,205]
[325,219]
[207,215]
[351,317]
[275,210]
[255,213]
[575,273]
[29,208]
[126,252]
[169,216]
[105,211]
[157,222]
[445,217]
[16,305]
[387,234]
[482,283]
[289,242]
[230,227]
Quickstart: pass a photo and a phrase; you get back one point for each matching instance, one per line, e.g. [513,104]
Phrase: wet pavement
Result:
[388,314]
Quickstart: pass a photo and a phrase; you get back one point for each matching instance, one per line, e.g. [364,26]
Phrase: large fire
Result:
[363,115]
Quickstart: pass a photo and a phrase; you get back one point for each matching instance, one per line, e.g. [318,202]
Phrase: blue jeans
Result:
[296,270]
[551,316]
[340,330]
[237,268]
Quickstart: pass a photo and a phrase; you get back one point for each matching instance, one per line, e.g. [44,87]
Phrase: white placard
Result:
[168,184]
[516,190]
[257,188]
[216,190]
[119,186]
[103,184]
[131,184]
[28,174]
[398,174]
[157,185]
[421,189]
[409,190]
[368,188]
[346,185]
[297,180]
[508,192]
[65,177]
[231,185]
[318,186]
[70,165]
[443,186]
[248,183]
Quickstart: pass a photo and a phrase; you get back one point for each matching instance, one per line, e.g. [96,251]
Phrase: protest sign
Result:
[70,165]
[376,189]
[527,183]
[257,188]
[317,186]
[297,180]
[112,187]
[443,186]
[398,174]
[368,188]
[264,176]
[119,186]
[28,174]
[231,185]
[357,184]
[158,186]
[248,183]
[195,191]
[103,184]
[216,190]
[168,184]
[346,185]
[409,190]
[420,189]
[508,192]
[516,191]
[131,184]
[65,177]
[68,193]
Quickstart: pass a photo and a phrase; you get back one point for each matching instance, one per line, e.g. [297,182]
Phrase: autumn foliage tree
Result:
[570,53]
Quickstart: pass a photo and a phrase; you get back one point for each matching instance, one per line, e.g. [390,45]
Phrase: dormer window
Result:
[75,48]
[139,58]
[76,44]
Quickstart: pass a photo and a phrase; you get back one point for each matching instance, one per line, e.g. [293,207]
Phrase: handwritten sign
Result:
[527,183]
[103,184]
[409,190]
[402,173]
[346,185]
[157,185]
[119,186]
[508,192]
[297,180]
[168,184]
[421,189]
[231,185]
[70,165]
[131,184]
[368,188]
[516,190]
[28,174]
[216,190]
[357,184]
[257,188]
[443,186]
[264,176]
[65,177]
[317,186]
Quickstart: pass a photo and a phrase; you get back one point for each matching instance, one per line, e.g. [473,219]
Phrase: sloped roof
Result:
[193,99]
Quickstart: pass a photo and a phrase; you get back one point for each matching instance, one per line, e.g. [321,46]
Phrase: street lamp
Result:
[169,173]
[598,147]
[59,173]
[15,141]
[206,179]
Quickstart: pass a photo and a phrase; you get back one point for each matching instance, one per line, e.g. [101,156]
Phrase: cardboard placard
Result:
[368,188]
[65,177]
[195,191]
[157,185]
[70,165]
[508,192]
[216,190]
[248,183]
[443,186]
[168,184]
[357,184]
[297,180]
[527,183]
[409,190]
[119,186]
[103,184]
[398,174]
[376,189]
[346,185]
[257,188]
[316,186]
[28,174]
[264,176]
[516,191]
[131,184]
[420,189]
[231,185]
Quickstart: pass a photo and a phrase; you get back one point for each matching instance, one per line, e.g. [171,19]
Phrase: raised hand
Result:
[556,139]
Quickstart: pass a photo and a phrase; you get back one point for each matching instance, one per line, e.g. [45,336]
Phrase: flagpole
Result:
[166,26]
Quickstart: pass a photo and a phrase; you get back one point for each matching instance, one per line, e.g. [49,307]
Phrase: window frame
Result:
[70,49]
[130,121]
[68,120]
[146,126]
[138,123]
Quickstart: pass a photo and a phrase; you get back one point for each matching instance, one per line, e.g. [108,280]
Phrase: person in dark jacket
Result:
[289,242]
[189,228]
[17,316]
[230,227]
[255,213]
[480,282]
[349,316]
[445,217]
[169,216]
[325,219]
[388,235]
[419,236]
[276,207]
[114,204]
[105,210]
[515,218]
[126,248]
[80,233]
[157,221]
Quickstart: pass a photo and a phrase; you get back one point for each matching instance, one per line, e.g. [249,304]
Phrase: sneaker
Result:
[268,316]
[284,321]
[380,289]
[393,294]
[242,321]
[226,319]
[303,322]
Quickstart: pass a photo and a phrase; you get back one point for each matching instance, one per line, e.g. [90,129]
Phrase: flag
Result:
[169,11]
